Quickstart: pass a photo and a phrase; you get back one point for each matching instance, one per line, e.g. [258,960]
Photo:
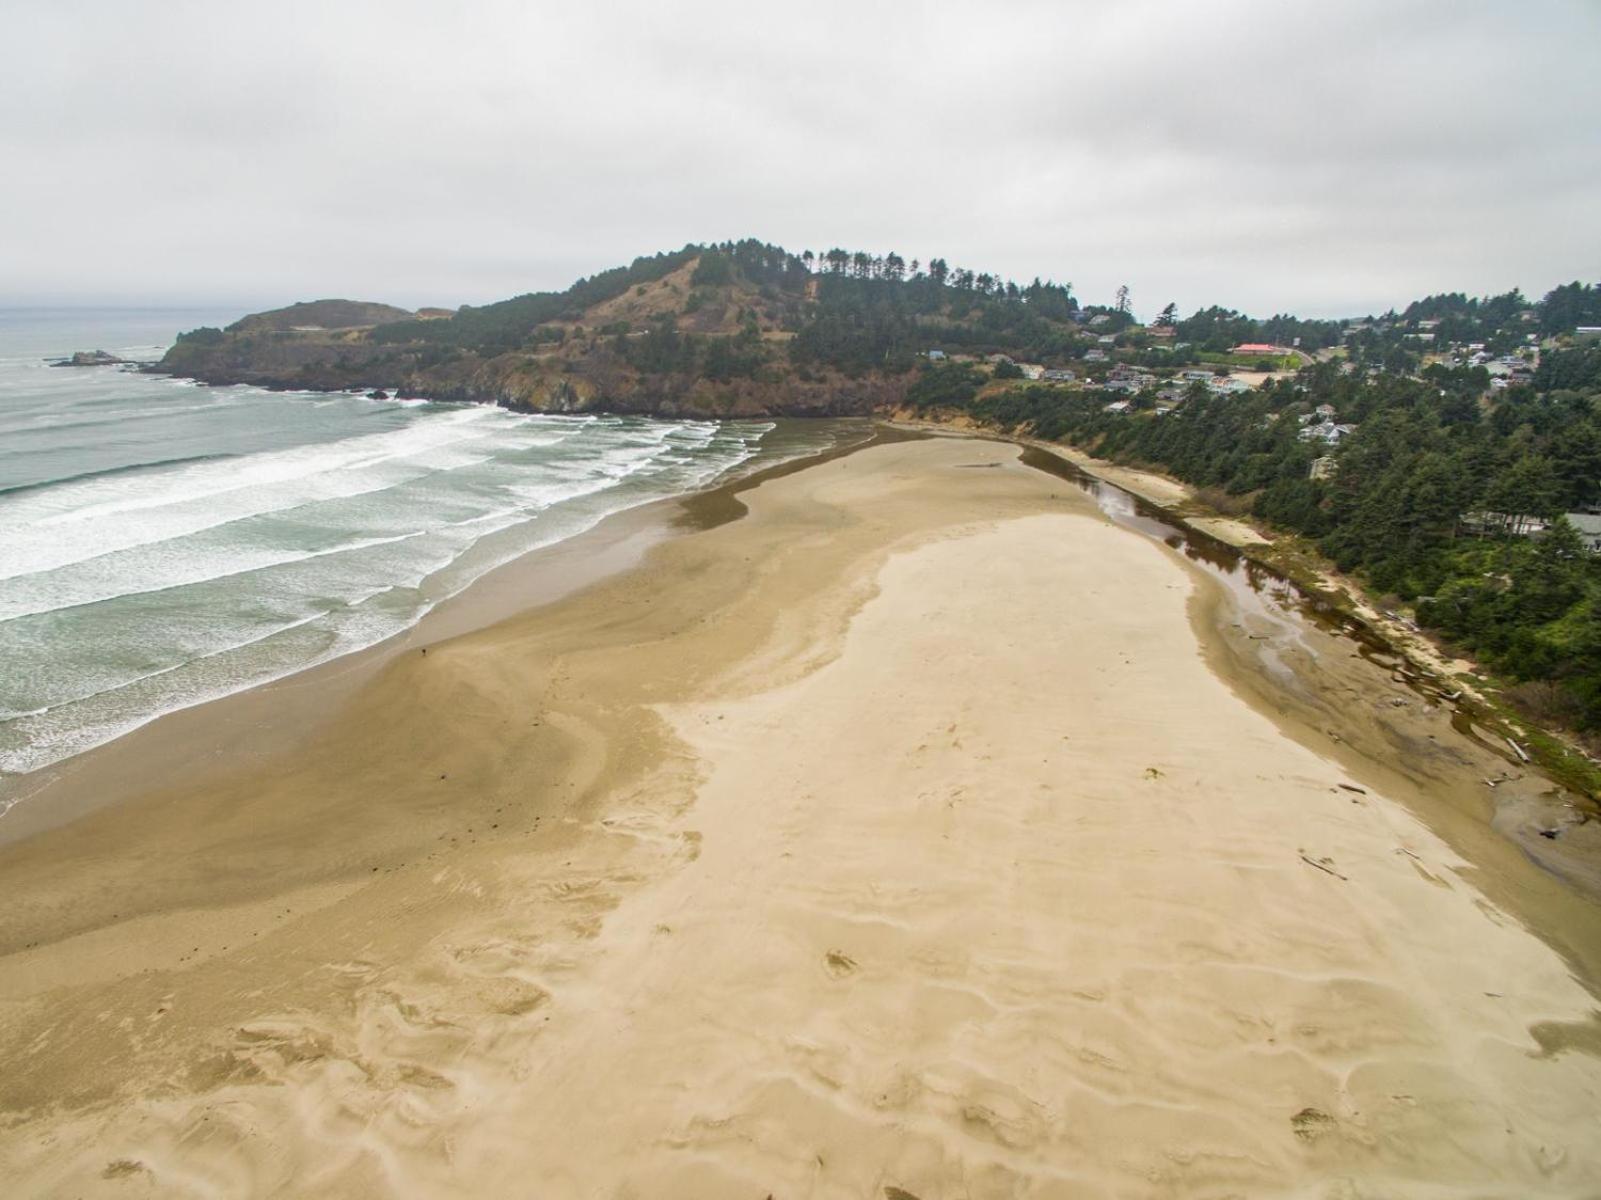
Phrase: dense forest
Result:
[1429,495]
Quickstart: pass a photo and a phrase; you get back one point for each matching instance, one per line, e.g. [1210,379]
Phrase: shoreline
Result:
[188,739]
[268,720]
[842,842]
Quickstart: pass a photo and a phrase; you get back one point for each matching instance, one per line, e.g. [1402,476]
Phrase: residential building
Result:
[1227,386]
[1589,527]
[1326,432]
[1516,524]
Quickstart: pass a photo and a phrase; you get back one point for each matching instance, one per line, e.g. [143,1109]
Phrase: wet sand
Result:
[920,832]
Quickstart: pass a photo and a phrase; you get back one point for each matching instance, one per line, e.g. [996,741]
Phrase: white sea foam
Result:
[53,528]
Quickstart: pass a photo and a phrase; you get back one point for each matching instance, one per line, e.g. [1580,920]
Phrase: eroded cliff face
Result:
[558,383]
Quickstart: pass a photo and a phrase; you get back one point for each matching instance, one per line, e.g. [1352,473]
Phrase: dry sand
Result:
[920,834]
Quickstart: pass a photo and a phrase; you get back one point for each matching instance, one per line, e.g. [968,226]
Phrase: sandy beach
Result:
[919,834]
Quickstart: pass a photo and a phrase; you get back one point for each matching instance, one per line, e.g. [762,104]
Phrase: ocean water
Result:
[163,543]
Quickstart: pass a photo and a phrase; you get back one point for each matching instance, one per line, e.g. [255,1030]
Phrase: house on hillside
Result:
[1095,356]
[1031,370]
[1589,526]
[1323,468]
[1515,524]
[1326,432]
[936,355]
[1059,375]
[1161,331]
[1262,348]
[1119,406]
[1107,339]
[1129,382]
[1227,386]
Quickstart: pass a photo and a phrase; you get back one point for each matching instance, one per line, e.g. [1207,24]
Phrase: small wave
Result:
[96,516]
[108,472]
[208,572]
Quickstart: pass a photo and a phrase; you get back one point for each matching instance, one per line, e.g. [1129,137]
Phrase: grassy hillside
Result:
[320,314]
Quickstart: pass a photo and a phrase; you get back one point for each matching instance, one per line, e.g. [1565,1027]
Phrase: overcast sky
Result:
[1320,158]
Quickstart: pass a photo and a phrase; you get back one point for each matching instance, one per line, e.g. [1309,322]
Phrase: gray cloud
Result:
[1315,158]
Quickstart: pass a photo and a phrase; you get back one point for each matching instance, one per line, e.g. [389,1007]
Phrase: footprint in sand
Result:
[839,964]
[1311,1123]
